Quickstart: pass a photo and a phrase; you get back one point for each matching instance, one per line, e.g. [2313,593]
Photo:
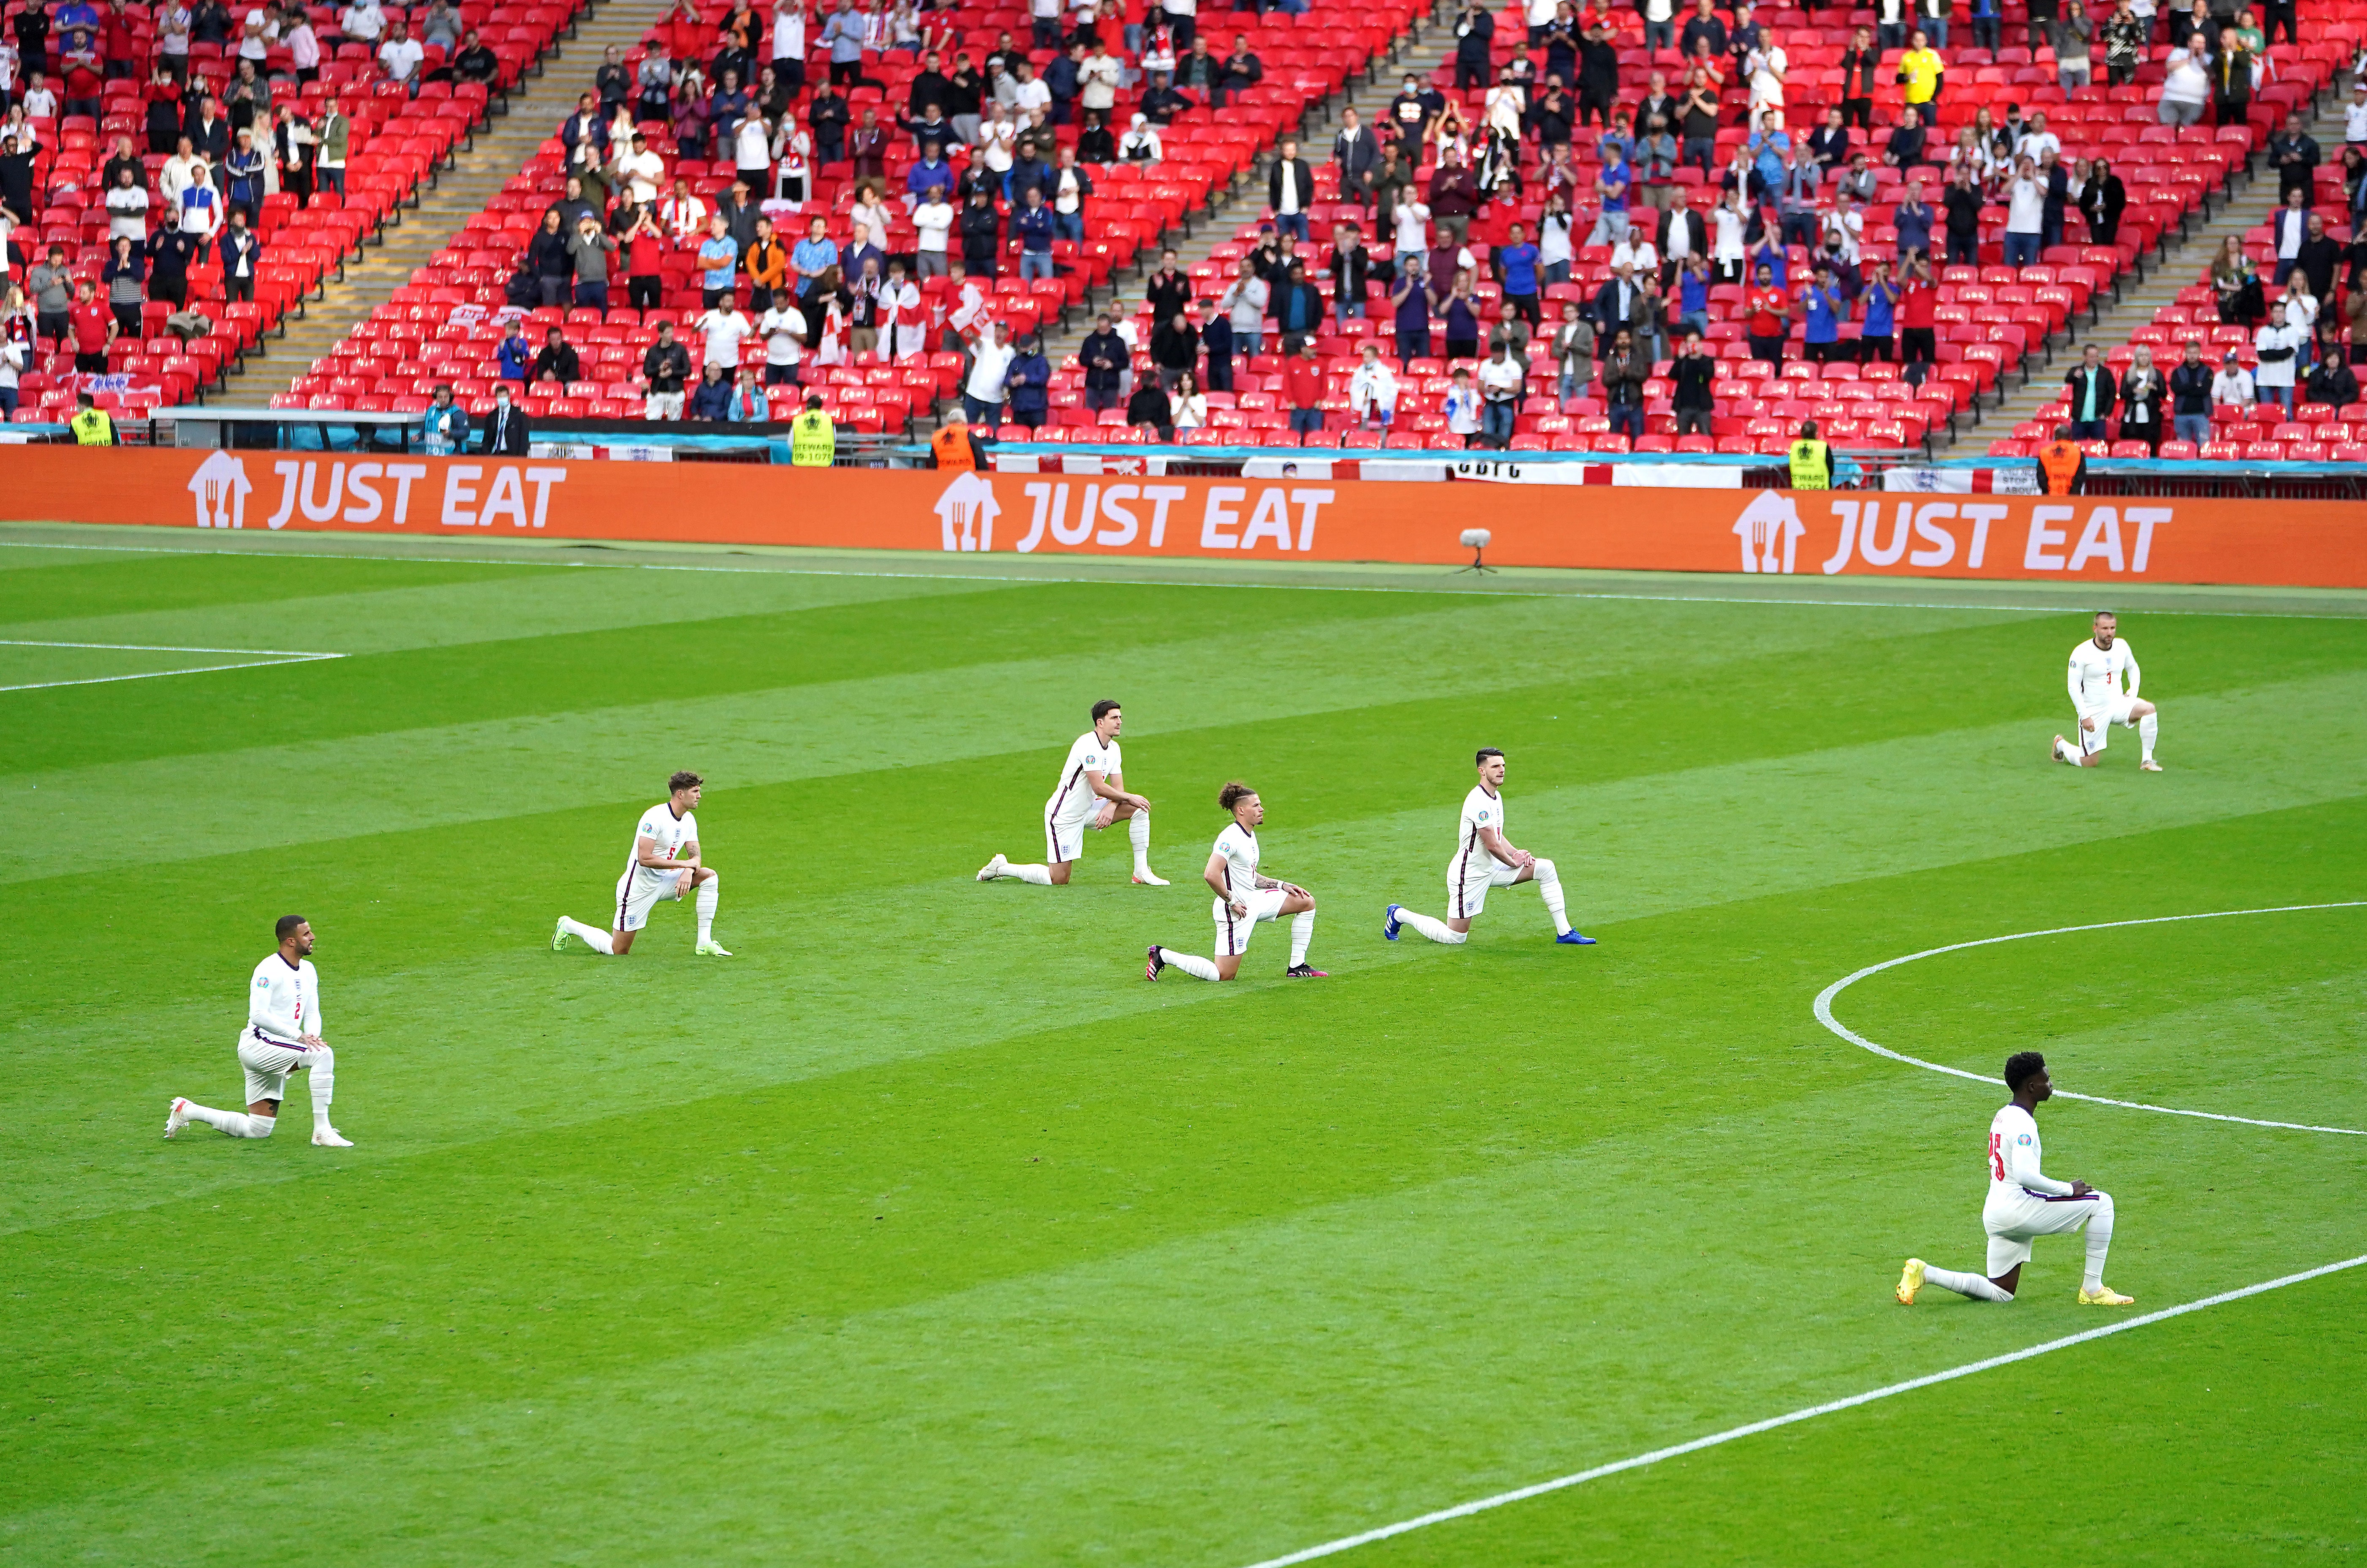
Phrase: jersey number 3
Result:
[1997,1157]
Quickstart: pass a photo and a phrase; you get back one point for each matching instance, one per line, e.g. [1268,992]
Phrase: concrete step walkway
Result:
[455,193]
[2165,276]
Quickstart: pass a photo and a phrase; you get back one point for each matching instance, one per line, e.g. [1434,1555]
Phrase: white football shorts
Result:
[1234,931]
[2015,1221]
[267,1064]
[2114,712]
[1467,883]
[637,889]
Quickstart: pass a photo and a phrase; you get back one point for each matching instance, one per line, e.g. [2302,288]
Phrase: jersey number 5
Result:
[1997,1157]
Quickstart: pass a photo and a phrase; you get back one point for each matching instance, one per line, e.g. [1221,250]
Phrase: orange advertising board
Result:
[1801,533]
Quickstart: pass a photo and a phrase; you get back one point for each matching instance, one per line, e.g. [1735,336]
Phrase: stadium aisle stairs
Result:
[459,193]
[2165,276]
[1416,54]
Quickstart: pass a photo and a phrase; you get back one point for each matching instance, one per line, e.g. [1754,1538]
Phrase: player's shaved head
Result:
[289,926]
[682,781]
[2021,1066]
[2106,615]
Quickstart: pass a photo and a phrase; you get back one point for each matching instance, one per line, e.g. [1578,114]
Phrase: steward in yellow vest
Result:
[91,426]
[1812,460]
[813,440]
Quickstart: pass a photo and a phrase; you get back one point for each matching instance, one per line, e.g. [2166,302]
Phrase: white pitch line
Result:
[1825,1016]
[275,655]
[1637,1461]
[1824,1010]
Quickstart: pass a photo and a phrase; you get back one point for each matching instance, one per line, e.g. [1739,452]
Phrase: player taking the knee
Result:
[1245,897]
[1090,792]
[282,1036]
[665,865]
[1484,858]
[2024,1202]
[2097,697]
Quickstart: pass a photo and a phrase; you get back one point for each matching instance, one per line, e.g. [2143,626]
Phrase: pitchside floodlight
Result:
[1475,541]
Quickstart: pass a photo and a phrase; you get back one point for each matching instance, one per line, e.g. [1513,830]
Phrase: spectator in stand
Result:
[475,62]
[933,221]
[1373,391]
[710,395]
[1106,359]
[1458,308]
[1302,385]
[786,332]
[722,330]
[2090,392]
[1502,380]
[1877,336]
[2235,284]
[2126,34]
[1922,74]
[2278,347]
[1461,408]
[589,249]
[1474,35]
[548,259]
[1702,30]
[767,262]
[1031,224]
[1297,308]
[814,262]
[93,327]
[241,258]
[1187,405]
[557,361]
[1693,388]
[127,209]
[1355,154]
[399,57]
[2190,395]
[1516,262]
[51,286]
[1908,145]
[1454,198]
[1767,317]
[2231,75]
[514,355]
[1149,410]
[1919,297]
[2232,387]
[2332,382]
[842,35]
[984,390]
[1610,186]
[1069,187]
[125,274]
[2102,199]
[719,260]
[1697,115]
[1290,190]
[2055,185]
[981,234]
[2143,391]
[665,365]
[1624,373]
[2317,258]
[1963,202]
[748,404]
[1573,352]
[1174,348]
[1823,308]
[1410,304]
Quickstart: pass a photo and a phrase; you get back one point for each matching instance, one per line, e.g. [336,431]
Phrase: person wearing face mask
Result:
[506,432]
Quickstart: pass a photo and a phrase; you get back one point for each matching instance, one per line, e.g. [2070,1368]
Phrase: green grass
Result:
[924,1232]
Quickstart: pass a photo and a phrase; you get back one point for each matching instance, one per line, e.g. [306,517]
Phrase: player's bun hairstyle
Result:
[286,926]
[1102,709]
[1485,752]
[2021,1066]
[1233,793]
[683,780]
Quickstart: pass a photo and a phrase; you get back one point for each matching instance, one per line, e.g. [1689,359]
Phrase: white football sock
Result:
[1041,876]
[1137,827]
[1973,1285]
[1199,969]
[1436,930]
[596,941]
[1302,931]
[233,1123]
[2147,727]
[1549,889]
[711,892]
[322,1064]
[2100,1242]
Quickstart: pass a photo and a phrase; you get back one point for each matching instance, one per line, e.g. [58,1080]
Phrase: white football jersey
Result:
[1480,809]
[2096,673]
[1240,847]
[1072,799]
[670,833]
[2014,1151]
[284,1003]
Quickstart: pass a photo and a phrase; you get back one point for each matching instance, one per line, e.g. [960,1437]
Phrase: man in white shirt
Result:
[721,331]
[990,358]
[665,865]
[361,22]
[2098,698]
[932,219]
[640,169]
[1484,858]
[2355,114]
[2025,216]
[2278,347]
[1500,380]
[402,57]
[1373,391]
[2036,142]
[2023,1204]
[1090,792]
[2232,387]
[282,1036]
[784,330]
[683,216]
[1246,898]
[1847,224]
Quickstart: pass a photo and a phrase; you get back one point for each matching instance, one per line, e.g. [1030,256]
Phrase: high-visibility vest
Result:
[952,448]
[92,427]
[813,440]
[1812,465]
[2059,461]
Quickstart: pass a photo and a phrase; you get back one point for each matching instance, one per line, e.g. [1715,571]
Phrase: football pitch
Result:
[924,1232]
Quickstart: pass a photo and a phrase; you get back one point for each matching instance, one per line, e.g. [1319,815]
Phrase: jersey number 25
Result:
[1997,1157]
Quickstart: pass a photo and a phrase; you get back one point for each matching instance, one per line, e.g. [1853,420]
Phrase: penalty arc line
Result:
[1637,1461]
[1732,1434]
